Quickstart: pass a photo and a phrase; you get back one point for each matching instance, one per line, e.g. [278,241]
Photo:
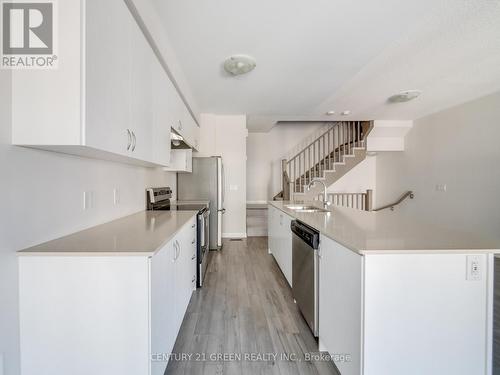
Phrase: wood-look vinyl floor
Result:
[244,320]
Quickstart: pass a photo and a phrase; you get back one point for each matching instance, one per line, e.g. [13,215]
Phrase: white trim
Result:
[234,235]
[257,202]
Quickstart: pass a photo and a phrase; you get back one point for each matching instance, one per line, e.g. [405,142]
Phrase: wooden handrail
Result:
[334,124]
[285,183]
[408,194]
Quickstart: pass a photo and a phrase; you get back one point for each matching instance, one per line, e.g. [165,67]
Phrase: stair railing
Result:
[408,194]
[331,147]
[359,201]
[285,183]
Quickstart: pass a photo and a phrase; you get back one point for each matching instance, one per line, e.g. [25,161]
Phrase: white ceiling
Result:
[313,56]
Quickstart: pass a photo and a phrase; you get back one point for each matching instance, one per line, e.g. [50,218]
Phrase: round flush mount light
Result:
[345,113]
[239,64]
[330,113]
[404,96]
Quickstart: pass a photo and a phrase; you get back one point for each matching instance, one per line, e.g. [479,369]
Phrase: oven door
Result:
[203,244]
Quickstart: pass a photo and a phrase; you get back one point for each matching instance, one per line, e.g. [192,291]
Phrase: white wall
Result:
[265,151]
[226,136]
[41,199]
[362,177]
[459,148]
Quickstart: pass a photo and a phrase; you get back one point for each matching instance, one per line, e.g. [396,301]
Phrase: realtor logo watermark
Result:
[29,35]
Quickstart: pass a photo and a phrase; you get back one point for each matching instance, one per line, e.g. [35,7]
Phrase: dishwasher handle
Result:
[306,233]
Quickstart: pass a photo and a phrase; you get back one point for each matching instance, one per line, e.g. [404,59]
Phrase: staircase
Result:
[331,155]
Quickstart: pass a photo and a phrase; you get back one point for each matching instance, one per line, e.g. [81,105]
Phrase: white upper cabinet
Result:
[109,98]
[141,110]
[107,91]
[162,120]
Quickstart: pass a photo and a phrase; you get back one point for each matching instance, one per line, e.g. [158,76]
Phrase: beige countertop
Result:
[142,233]
[386,232]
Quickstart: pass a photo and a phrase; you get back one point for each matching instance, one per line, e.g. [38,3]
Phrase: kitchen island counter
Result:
[386,231]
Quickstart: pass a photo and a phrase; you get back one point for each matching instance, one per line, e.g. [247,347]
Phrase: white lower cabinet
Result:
[280,240]
[404,313]
[340,315]
[105,315]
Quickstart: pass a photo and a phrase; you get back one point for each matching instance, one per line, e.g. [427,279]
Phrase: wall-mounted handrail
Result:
[408,194]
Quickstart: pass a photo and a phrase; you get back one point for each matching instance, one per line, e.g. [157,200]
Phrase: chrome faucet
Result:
[326,202]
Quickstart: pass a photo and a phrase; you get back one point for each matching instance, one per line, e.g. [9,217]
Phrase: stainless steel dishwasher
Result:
[305,272]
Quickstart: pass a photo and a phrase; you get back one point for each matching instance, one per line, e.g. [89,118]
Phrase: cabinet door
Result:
[161,119]
[340,308]
[141,93]
[188,126]
[286,247]
[270,228]
[279,240]
[188,239]
[163,330]
[107,75]
[181,161]
[184,270]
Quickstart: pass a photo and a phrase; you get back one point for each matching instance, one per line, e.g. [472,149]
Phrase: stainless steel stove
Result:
[158,199]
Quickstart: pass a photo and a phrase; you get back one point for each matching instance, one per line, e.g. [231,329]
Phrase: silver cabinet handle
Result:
[318,252]
[135,141]
[178,250]
[175,253]
[180,125]
[129,135]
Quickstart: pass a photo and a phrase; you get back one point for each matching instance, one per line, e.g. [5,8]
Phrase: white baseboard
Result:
[234,235]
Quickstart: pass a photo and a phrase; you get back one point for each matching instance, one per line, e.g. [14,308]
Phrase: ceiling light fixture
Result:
[239,64]
[345,113]
[404,96]
[330,113]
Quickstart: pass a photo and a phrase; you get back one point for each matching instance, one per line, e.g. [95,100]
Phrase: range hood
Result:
[177,141]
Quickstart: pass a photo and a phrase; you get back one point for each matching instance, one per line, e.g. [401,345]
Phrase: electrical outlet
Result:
[88,200]
[116,196]
[441,187]
[473,267]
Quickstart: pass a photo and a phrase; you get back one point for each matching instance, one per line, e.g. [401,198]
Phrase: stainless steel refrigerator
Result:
[206,182]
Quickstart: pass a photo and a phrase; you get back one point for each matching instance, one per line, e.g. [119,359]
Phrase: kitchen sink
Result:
[296,207]
[306,208]
[315,209]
